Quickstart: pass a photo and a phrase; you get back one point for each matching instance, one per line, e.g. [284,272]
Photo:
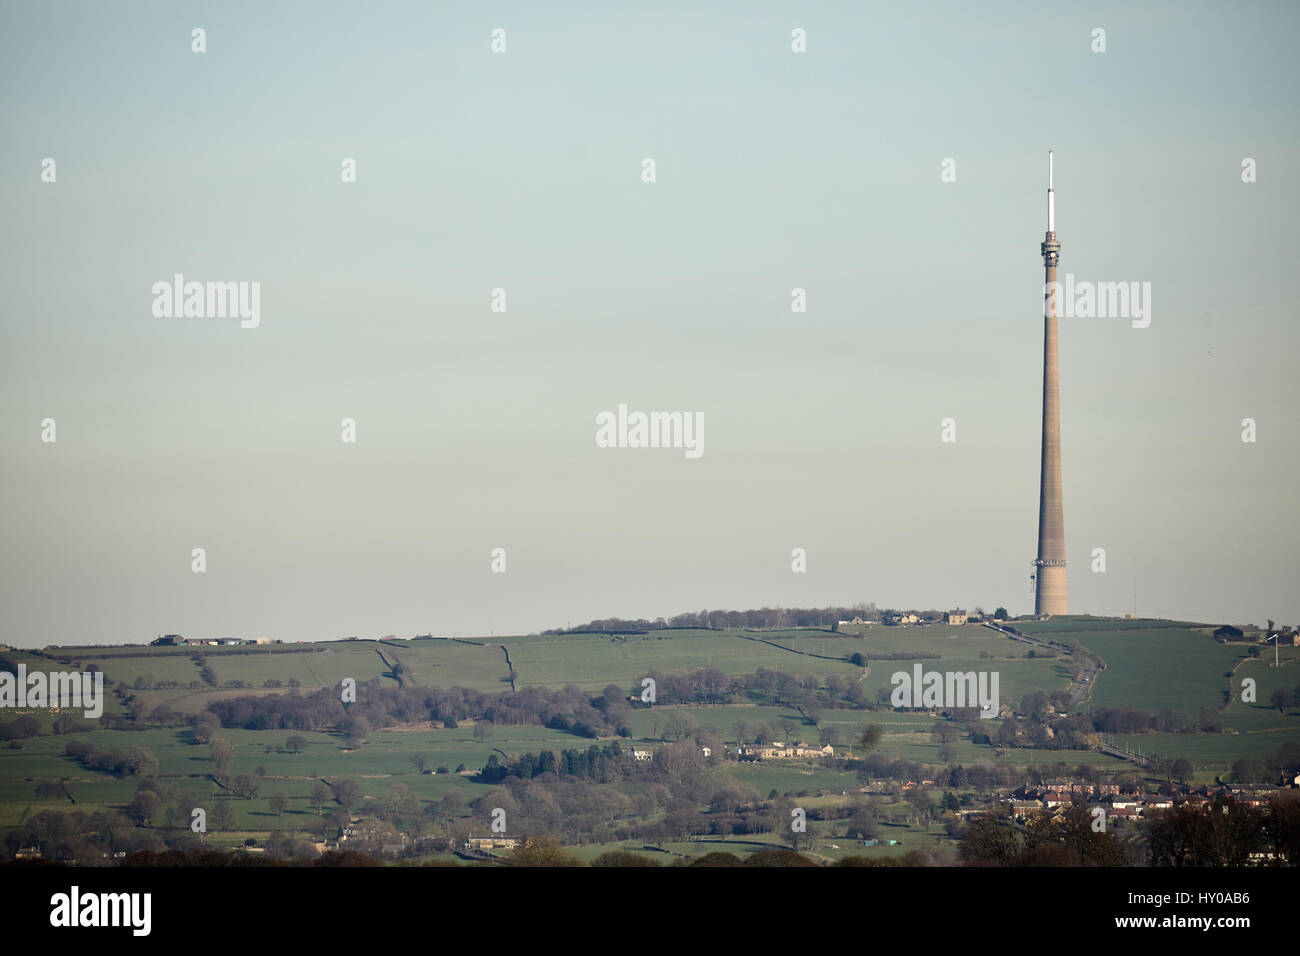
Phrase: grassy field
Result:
[588,661]
[1212,754]
[1262,715]
[1076,623]
[1150,665]
[593,661]
[385,761]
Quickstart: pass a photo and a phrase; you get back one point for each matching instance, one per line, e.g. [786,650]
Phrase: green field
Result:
[1261,715]
[1075,623]
[1150,665]
[590,662]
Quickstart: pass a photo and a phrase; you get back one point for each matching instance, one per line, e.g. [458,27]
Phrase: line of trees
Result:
[131,762]
[755,617]
[1226,833]
[569,709]
[597,764]
[993,839]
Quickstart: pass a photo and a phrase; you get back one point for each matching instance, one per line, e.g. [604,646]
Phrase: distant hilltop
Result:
[769,617]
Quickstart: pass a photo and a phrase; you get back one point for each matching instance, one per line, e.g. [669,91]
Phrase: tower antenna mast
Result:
[1050,595]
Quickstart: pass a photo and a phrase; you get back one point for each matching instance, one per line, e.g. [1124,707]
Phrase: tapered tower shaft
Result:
[1050,596]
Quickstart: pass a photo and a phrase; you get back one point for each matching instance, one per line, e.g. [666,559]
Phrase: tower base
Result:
[1050,595]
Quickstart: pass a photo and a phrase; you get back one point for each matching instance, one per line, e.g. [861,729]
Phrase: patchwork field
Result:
[1150,665]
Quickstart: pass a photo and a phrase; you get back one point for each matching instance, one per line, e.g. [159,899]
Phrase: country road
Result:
[1081,686]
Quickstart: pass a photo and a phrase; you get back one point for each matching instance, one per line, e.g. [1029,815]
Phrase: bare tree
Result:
[246,785]
[224,816]
[320,795]
[222,752]
[870,736]
[680,724]
[402,799]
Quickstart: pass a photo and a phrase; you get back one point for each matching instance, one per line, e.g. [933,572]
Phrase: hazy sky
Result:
[522,170]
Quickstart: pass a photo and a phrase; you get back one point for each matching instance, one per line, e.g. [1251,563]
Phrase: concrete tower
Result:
[1049,592]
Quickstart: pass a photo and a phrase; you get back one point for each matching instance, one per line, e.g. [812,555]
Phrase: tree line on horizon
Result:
[754,617]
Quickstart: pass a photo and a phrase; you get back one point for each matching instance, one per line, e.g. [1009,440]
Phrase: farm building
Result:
[491,843]
[901,617]
[786,751]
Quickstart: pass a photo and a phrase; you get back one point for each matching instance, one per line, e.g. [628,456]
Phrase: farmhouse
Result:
[955,617]
[177,640]
[787,751]
[901,617]
[491,843]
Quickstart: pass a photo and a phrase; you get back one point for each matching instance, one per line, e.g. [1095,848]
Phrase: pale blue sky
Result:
[521,170]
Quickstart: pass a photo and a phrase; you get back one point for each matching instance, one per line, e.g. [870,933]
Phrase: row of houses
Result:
[483,844]
[897,618]
[746,752]
[1133,806]
[1116,807]
[1066,786]
[780,751]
